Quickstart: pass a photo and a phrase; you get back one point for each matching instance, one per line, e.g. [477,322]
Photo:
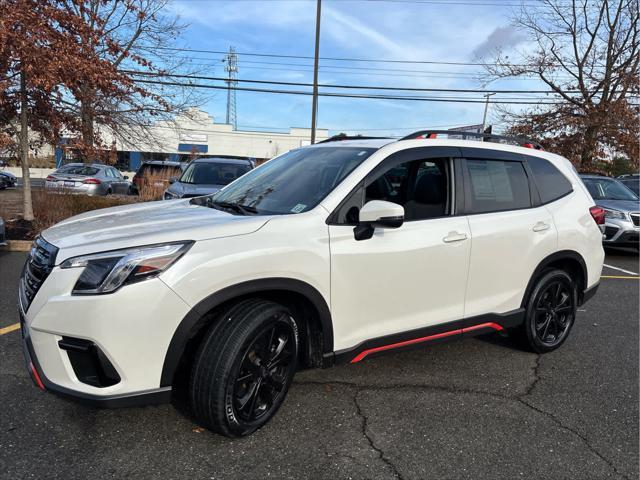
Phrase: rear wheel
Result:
[244,368]
[551,311]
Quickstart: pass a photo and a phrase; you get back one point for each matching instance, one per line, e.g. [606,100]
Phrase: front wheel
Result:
[551,311]
[244,368]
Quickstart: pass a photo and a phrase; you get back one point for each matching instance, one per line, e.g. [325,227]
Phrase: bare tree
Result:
[588,53]
[142,30]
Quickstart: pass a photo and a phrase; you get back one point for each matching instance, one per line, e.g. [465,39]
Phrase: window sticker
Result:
[299,208]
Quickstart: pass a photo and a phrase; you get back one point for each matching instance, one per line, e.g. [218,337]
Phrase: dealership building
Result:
[192,135]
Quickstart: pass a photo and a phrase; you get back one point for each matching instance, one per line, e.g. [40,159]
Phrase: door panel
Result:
[400,279]
[506,249]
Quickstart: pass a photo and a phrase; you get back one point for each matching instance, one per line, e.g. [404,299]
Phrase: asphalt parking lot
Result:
[477,408]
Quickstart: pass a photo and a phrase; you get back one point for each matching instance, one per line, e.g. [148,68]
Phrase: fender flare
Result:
[194,319]
[554,257]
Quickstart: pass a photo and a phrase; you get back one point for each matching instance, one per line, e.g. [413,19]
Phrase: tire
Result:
[231,390]
[551,312]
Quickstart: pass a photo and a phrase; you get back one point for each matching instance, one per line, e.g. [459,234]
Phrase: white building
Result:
[197,134]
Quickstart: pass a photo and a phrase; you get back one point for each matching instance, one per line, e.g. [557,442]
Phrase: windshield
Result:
[209,173]
[633,184]
[294,182]
[608,189]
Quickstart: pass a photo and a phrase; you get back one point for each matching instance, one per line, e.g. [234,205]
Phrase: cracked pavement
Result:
[476,408]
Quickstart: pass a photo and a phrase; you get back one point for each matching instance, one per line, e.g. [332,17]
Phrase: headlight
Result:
[169,195]
[614,214]
[107,271]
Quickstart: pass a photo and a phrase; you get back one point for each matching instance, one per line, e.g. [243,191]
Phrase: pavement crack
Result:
[365,433]
[582,437]
[536,376]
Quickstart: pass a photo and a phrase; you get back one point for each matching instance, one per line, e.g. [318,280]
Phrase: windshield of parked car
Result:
[608,189]
[291,183]
[209,173]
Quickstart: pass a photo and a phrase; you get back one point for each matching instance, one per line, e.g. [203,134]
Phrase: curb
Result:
[16,246]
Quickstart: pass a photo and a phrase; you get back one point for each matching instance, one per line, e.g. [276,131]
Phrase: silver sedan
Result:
[88,179]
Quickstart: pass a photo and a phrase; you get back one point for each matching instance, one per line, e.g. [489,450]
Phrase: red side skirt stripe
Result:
[457,331]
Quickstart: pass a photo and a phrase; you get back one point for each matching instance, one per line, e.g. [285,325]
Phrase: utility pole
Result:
[314,104]
[486,109]
[231,67]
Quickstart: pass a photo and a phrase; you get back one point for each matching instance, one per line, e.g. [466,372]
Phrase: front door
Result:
[406,278]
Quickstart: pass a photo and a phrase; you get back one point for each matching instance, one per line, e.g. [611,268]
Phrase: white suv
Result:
[327,254]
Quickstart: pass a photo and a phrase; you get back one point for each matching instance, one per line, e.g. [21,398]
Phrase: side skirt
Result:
[481,324]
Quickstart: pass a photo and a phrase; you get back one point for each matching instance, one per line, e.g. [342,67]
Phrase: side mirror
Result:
[173,179]
[378,214]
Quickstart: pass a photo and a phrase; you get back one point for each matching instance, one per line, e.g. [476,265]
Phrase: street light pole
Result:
[486,108]
[314,105]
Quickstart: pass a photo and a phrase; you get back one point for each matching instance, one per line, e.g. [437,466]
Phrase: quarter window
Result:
[550,182]
[497,185]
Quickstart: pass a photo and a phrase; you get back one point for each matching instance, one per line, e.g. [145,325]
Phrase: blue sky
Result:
[355,29]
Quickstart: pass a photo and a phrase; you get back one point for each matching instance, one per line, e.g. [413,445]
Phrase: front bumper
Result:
[132,328]
[619,232]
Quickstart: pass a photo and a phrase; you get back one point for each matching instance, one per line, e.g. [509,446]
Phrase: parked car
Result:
[3,235]
[313,259]
[161,170]
[88,179]
[621,210]
[205,176]
[7,179]
[632,182]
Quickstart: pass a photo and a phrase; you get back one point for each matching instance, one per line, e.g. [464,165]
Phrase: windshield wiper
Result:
[241,209]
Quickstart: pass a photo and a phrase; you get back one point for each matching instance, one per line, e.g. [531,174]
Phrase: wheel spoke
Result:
[567,308]
[254,398]
[245,378]
[264,351]
[249,395]
[544,334]
[556,297]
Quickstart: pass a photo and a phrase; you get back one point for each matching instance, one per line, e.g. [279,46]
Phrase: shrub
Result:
[154,184]
[51,208]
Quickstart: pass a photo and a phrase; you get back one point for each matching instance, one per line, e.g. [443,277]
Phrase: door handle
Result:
[454,237]
[541,227]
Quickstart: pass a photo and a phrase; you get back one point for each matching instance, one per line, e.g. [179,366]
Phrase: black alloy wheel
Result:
[264,371]
[244,367]
[551,311]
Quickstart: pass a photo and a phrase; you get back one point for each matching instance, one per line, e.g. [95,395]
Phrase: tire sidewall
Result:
[532,338]
[236,425]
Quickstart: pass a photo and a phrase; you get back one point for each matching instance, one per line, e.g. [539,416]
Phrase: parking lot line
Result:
[621,276]
[620,269]
[9,329]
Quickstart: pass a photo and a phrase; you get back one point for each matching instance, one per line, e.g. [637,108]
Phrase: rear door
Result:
[511,231]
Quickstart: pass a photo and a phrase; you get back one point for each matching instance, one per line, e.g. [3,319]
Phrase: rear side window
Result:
[496,185]
[551,183]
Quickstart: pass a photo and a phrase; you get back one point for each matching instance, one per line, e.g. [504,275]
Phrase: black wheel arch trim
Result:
[555,257]
[194,318]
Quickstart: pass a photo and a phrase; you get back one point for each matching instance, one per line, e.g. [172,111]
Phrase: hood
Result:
[621,205]
[144,224]
[193,189]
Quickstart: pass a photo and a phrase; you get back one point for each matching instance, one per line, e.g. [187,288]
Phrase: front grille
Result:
[635,218]
[38,267]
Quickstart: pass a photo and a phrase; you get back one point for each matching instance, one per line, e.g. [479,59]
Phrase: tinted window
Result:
[496,185]
[79,170]
[632,184]
[208,173]
[294,182]
[551,183]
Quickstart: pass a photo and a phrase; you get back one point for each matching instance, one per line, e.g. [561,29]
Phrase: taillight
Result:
[598,214]
[51,178]
[92,181]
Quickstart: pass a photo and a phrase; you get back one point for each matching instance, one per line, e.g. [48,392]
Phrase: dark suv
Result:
[205,176]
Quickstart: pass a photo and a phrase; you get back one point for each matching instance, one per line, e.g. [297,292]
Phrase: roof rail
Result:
[342,136]
[485,137]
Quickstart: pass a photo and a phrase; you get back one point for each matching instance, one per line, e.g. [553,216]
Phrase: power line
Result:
[352,87]
[350,95]
[337,59]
